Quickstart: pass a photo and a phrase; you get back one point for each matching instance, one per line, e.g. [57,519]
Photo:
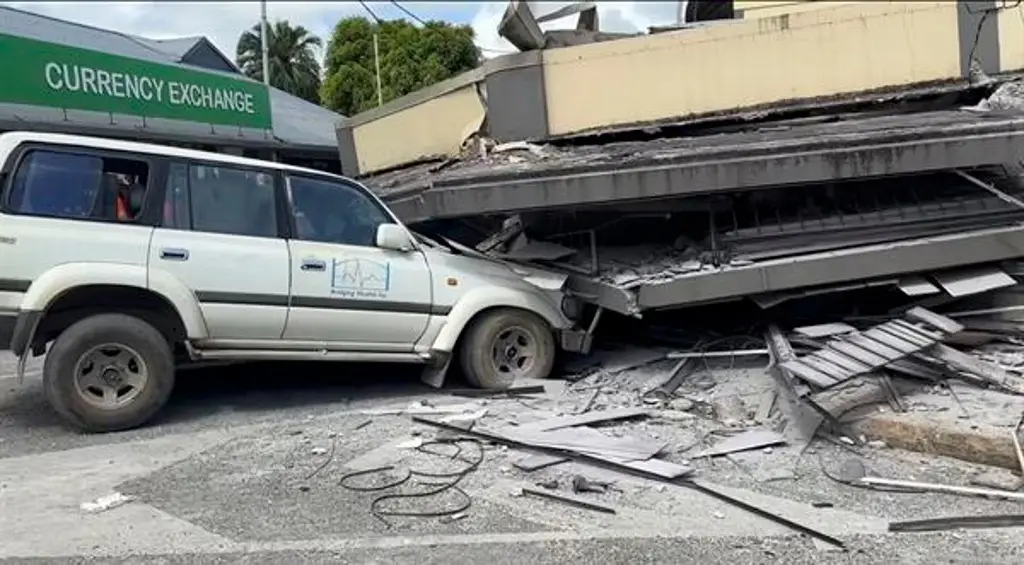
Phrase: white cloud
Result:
[223,22]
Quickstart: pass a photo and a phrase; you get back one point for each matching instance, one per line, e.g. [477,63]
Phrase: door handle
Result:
[313,265]
[174,254]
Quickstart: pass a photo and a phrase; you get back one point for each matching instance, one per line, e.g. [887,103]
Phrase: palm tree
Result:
[294,67]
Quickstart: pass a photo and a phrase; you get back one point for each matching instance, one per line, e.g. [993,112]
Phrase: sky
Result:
[223,22]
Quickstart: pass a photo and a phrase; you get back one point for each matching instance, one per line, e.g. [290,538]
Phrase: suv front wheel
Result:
[507,345]
[109,372]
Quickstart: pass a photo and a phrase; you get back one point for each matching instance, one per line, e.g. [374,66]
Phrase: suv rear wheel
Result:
[503,346]
[109,372]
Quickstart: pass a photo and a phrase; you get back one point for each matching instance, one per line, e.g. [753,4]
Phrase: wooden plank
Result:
[901,345]
[908,336]
[914,369]
[968,364]
[570,500]
[836,372]
[583,419]
[808,374]
[943,323]
[873,346]
[825,330]
[926,332]
[539,461]
[850,364]
[764,407]
[858,353]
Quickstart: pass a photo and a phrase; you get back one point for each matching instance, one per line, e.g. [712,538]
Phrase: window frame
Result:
[281,213]
[341,181]
[151,215]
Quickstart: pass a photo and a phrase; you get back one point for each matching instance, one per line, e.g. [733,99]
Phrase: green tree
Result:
[411,58]
[294,67]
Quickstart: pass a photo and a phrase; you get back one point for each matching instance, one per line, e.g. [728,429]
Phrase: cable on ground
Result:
[450,480]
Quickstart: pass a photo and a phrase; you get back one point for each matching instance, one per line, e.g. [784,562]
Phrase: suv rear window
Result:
[76,185]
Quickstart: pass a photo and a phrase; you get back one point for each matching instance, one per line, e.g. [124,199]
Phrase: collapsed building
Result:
[758,152]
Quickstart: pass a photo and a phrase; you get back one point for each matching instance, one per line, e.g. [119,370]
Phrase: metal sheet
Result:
[973,281]
[917,286]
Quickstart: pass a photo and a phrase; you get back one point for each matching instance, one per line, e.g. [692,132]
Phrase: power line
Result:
[369,11]
[408,13]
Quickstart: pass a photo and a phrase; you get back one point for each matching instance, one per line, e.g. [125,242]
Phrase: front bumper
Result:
[576,340]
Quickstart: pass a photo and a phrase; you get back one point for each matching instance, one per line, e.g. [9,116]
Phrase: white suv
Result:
[127,259]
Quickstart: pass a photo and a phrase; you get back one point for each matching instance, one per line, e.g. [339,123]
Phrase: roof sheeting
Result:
[296,121]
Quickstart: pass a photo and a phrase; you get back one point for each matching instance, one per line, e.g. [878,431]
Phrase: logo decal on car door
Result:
[360,278]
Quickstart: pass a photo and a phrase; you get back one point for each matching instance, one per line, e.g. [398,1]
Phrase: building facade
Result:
[70,78]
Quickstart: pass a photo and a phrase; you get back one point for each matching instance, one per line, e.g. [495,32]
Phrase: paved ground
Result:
[245,465]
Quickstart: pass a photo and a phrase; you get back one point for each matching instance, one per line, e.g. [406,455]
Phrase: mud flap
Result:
[434,374]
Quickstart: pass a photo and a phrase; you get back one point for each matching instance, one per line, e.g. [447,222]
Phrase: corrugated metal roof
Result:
[177,46]
[295,120]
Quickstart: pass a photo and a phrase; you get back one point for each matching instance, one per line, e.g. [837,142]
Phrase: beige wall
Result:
[1011,37]
[434,127]
[834,49]
[753,10]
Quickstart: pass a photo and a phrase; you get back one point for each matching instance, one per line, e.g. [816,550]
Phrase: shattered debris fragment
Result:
[106,502]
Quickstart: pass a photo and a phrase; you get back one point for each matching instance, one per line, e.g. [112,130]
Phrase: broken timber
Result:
[850,355]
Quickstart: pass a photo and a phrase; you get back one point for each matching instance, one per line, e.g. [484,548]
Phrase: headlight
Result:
[572,307]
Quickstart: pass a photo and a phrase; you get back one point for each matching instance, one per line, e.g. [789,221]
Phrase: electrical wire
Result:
[369,11]
[408,13]
[453,478]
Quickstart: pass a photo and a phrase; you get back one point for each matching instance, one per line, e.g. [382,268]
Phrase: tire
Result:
[476,354]
[78,404]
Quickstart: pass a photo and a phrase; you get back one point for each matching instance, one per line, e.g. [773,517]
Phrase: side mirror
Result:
[393,237]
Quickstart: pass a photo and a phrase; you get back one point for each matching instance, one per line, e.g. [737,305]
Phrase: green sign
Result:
[58,76]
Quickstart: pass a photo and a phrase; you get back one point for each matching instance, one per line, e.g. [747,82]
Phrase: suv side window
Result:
[334,212]
[222,199]
[78,185]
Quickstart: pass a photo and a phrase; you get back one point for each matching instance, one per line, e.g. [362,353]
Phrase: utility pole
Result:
[376,62]
[263,42]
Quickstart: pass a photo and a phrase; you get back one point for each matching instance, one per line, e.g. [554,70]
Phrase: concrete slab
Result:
[630,171]
[975,425]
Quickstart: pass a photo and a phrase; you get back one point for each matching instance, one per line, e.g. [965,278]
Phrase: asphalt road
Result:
[245,463]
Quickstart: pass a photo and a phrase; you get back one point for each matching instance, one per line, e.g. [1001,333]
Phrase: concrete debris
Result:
[998,479]
[106,502]
[1008,96]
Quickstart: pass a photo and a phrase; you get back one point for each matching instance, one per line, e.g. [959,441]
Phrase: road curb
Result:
[919,432]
